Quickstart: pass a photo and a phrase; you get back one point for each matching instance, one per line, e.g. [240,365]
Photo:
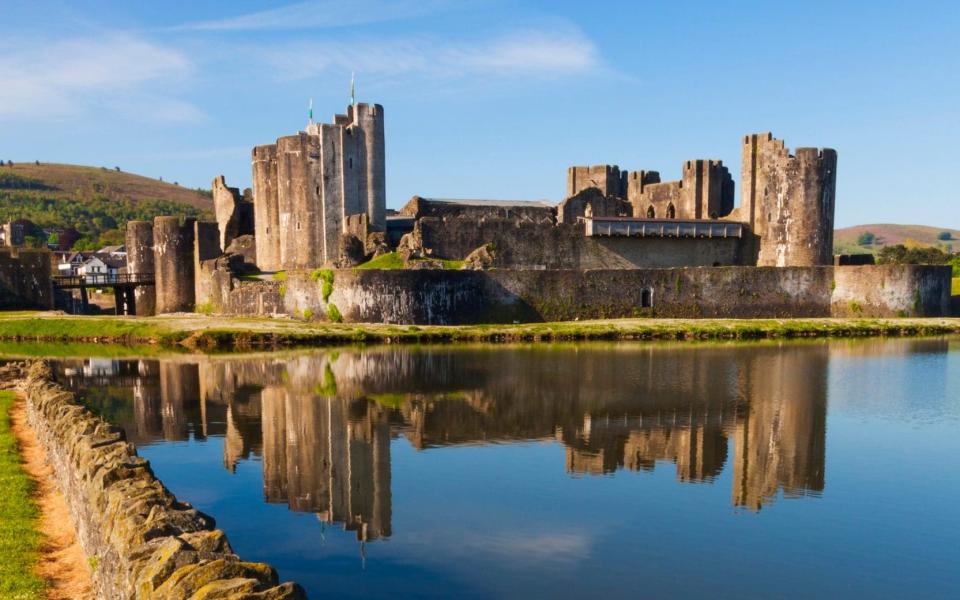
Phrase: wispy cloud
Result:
[320,14]
[117,72]
[548,52]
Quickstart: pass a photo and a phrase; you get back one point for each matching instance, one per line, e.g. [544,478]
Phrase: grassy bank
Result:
[956,286]
[19,538]
[204,332]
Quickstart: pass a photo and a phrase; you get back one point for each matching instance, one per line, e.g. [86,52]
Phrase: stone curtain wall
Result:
[534,246]
[142,541]
[891,291]
[504,296]
[25,279]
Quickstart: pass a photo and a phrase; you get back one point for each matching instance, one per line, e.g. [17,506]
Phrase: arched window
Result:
[651,214]
[671,212]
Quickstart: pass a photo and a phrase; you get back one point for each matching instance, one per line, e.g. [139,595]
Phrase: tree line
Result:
[86,224]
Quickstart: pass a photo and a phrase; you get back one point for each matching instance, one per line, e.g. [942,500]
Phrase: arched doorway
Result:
[651,214]
[671,212]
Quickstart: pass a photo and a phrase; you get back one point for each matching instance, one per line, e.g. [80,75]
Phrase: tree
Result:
[866,239]
[901,255]
[945,236]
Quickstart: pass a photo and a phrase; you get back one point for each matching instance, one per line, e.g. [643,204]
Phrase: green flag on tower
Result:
[353,93]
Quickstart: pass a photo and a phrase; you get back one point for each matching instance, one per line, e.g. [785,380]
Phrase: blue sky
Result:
[495,98]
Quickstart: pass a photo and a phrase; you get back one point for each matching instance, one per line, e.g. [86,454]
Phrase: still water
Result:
[805,470]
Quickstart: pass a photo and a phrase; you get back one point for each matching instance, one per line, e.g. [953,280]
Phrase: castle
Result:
[620,244]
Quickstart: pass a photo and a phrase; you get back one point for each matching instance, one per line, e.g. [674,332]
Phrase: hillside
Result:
[95,202]
[845,241]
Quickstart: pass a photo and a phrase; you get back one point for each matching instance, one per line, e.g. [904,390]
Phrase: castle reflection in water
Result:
[323,423]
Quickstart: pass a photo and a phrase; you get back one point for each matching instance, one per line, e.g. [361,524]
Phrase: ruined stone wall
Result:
[705,191]
[266,219]
[591,202]
[606,178]
[526,212]
[536,246]
[25,279]
[505,296]
[225,293]
[139,243]
[658,200]
[891,291]
[206,246]
[173,247]
[234,214]
[788,201]
[146,543]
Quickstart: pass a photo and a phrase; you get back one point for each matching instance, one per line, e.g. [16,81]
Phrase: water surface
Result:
[794,470]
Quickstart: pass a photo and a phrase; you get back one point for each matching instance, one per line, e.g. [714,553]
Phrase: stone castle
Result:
[620,244]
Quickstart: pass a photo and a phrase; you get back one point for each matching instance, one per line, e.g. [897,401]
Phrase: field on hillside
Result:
[94,203]
[888,234]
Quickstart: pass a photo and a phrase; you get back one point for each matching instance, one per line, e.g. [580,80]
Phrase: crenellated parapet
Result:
[606,178]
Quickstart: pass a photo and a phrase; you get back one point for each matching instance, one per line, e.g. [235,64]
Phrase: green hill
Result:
[848,240]
[96,202]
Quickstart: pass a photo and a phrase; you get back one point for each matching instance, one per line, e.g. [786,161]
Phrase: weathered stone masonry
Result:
[145,542]
[25,279]
[306,185]
[505,296]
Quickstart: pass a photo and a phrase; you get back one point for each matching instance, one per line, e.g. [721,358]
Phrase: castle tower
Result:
[139,243]
[606,178]
[707,190]
[789,201]
[266,219]
[307,185]
[298,201]
[173,264]
[369,119]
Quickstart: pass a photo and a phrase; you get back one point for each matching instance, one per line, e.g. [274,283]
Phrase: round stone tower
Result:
[139,242]
[370,119]
[173,264]
[266,219]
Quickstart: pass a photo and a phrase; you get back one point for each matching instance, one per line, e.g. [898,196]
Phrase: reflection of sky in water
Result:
[615,497]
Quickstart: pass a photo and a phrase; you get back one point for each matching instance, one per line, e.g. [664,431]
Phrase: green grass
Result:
[19,538]
[77,328]
[390,260]
[245,333]
[956,286]
[452,265]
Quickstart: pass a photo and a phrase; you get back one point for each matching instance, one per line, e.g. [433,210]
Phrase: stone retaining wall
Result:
[504,296]
[142,542]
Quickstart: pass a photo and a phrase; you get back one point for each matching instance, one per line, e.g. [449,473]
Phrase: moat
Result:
[797,470]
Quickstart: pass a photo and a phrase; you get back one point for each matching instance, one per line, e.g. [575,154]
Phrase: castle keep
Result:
[306,186]
[622,243]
